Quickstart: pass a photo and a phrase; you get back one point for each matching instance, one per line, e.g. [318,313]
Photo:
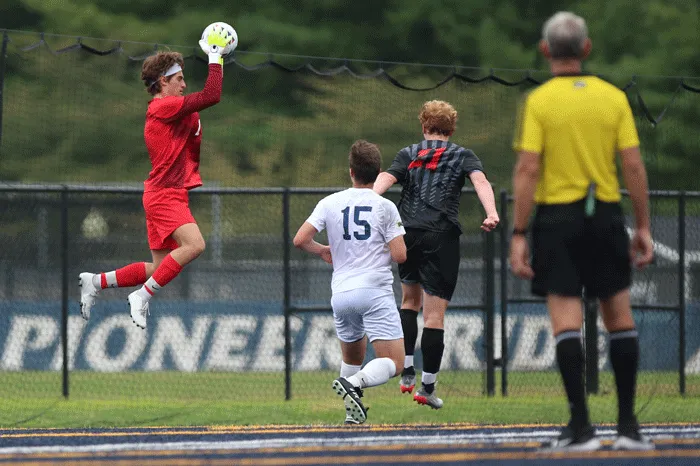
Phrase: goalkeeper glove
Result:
[214,45]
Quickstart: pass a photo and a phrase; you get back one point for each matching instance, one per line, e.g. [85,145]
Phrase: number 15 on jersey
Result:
[357,212]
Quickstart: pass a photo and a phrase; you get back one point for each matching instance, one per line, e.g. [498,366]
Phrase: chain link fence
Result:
[254,306]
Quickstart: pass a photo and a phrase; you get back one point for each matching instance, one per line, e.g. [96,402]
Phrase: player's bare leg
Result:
[190,246]
[411,302]
[389,354]
[432,347]
[390,349]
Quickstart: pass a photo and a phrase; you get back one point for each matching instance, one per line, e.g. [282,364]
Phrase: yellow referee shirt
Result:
[576,123]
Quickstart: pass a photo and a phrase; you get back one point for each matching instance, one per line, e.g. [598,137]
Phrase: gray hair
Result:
[565,35]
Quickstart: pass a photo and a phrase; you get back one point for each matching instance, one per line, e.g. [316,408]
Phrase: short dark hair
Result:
[365,161]
[155,66]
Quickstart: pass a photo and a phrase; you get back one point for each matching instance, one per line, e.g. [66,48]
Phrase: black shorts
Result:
[571,252]
[433,261]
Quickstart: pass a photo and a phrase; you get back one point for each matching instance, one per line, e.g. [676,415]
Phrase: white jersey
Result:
[360,224]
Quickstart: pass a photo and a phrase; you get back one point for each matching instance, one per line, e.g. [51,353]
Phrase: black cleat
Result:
[351,396]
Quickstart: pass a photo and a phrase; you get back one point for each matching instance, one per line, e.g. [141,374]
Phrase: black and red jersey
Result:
[432,175]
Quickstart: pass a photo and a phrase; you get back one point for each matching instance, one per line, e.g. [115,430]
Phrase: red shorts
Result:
[167,209]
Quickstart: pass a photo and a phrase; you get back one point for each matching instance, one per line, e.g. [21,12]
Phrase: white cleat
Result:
[633,441]
[88,294]
[139,309]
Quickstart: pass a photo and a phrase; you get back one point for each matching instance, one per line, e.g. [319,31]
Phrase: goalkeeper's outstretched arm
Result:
[210,95]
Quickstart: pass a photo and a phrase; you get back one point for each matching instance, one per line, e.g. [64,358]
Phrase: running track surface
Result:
[677,444]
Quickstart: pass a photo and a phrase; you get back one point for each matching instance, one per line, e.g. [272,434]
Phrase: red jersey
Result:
[173,134]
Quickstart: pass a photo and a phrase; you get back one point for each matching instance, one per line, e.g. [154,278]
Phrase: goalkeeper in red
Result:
[173,134]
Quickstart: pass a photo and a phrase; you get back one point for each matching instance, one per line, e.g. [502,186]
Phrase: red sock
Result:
[166,271]
[130,275]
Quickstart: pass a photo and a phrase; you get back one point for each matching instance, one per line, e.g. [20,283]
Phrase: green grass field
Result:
[33,399]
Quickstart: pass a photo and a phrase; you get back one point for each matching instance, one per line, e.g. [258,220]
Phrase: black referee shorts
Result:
[432,260]
[571,252]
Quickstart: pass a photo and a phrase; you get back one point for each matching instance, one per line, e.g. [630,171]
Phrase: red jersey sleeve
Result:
[210,95]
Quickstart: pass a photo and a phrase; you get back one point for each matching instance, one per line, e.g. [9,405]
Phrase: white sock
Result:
[427,377]
[346,370]
[110,278]
[408,361]
[376,372]
[152,285]
[144,294]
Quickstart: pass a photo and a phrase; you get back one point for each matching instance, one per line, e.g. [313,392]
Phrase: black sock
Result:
[432,345]
[409,323]
[570,361]
[624,357]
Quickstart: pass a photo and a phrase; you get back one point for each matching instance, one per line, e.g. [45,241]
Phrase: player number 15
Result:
[358,221]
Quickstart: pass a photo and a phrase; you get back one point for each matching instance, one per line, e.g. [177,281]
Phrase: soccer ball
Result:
[228,31]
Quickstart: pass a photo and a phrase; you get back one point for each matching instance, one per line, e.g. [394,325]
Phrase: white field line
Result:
[345,440]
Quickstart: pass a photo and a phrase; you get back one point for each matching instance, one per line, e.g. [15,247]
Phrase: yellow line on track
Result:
[455,425]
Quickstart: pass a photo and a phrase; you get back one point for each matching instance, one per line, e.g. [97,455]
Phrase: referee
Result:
[570,129]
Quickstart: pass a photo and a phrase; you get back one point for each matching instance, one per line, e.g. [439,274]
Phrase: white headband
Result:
[172,70]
